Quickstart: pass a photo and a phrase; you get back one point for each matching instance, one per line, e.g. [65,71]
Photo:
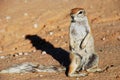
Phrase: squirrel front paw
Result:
[82,46]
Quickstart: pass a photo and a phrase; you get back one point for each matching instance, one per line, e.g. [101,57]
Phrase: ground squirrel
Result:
[83,56]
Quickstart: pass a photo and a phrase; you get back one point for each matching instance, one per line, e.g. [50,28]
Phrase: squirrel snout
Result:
[72,17]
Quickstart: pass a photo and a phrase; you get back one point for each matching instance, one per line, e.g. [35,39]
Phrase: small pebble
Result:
[13,48]
[41,75]
[35,25]
[23,36]
[50,33]
[56,40]
[44,52]
[103,39]
[77,78]
[8,17]
[16,55]
[21,74]
[25,1]
[34,51]
[61,36]
[2,57]
[0,51]
[25,14]
[118,38]
[25,53]
[20,53]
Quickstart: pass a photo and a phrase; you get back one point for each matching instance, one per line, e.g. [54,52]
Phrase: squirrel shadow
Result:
[61,55]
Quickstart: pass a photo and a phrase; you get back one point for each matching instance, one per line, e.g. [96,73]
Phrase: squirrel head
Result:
[78,14]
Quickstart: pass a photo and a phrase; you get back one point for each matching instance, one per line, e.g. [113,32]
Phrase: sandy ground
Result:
[32,27]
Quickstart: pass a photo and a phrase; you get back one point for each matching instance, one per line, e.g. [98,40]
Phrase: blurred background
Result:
[49,20]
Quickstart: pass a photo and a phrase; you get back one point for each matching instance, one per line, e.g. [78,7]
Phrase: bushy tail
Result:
[30,67]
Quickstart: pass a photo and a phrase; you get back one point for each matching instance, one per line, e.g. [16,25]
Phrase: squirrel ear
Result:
[84,12]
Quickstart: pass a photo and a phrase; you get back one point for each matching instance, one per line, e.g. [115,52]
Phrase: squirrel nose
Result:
[72,17]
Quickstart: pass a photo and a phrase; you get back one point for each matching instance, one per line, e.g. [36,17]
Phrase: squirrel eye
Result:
[80,12]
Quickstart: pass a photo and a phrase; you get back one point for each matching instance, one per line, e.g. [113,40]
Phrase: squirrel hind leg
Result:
[92,62]
[72,71]
[75,66]
[92,65]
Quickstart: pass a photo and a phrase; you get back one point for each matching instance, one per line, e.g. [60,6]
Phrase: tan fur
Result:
[75,10]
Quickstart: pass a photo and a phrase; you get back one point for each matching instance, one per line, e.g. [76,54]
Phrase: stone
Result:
[2,57]
[34,51]
[44,52]
[25,53]
[51,33]
[16,55]
[20,53]
[25,14]
[8,17]
[35,25]
[118,38]
[103,39]
[41,75]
